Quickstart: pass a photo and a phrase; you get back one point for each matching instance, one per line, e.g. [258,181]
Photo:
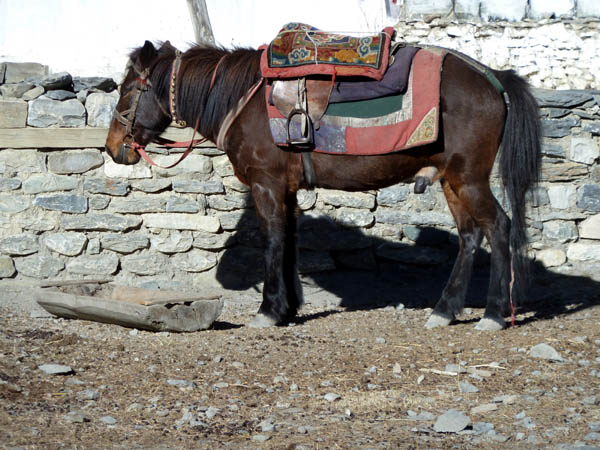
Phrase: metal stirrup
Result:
[301,109]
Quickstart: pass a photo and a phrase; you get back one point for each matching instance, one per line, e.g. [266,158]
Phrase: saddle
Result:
[304,98]
[302,64]
[368,117]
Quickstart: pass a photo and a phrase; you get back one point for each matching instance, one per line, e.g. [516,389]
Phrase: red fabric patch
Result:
[421,129]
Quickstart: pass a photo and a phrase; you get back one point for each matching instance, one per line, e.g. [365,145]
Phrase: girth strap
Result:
[309,169]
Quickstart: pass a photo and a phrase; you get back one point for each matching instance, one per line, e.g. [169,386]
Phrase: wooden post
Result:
[201,21]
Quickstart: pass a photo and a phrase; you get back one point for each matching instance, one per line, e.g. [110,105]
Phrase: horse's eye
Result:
[123,90]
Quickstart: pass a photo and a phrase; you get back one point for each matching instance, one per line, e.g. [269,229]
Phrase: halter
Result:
[127,117]
[143,84]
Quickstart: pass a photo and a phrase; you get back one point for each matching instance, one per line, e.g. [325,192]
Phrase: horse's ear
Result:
[146,56]
[166,47]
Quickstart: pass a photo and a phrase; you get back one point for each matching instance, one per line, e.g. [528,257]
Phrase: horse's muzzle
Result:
[123,155]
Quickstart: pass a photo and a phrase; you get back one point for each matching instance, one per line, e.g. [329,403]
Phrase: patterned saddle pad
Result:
[300,50]
[378,125]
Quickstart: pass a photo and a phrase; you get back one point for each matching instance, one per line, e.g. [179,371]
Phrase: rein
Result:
[143,84]
[141,149]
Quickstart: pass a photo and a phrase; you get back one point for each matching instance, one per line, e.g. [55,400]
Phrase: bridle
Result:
[143,84]
[127,117]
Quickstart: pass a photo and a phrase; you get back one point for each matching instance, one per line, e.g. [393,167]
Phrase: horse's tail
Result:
[520,163]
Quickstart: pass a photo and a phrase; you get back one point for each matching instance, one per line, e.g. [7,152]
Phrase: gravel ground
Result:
[349,374]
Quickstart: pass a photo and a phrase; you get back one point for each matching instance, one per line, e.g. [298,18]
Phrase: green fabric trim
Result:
[492,79]
[366,109]
[485,70]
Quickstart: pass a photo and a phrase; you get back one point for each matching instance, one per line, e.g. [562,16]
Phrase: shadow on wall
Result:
[367,272]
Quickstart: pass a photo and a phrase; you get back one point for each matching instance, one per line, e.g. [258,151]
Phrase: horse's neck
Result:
[231,85]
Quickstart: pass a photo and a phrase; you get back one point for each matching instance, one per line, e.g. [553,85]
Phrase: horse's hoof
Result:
[421,184]
[262,321]
[487,324]
[436,320]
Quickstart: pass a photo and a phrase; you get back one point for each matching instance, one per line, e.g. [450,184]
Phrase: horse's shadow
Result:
[359,271]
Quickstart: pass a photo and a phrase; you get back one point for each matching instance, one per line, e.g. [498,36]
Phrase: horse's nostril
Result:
[115,156]
[123,153]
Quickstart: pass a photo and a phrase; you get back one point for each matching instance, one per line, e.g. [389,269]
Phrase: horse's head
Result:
[140,115]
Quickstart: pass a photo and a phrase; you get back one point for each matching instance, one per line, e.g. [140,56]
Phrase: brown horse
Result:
[475,121]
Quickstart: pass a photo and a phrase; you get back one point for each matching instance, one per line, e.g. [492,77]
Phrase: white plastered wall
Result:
[92,37]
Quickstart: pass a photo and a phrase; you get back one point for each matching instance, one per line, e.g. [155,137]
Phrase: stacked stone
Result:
[565,223]
[74,213]
[513,10]
[32,97]
[551,54]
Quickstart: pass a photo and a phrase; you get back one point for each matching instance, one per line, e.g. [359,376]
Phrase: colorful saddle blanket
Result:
[300,50]
[378,125]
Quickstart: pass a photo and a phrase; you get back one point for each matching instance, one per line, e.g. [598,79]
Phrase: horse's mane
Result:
[237,73]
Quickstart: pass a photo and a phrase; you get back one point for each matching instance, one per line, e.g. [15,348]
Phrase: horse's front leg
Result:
[282,292]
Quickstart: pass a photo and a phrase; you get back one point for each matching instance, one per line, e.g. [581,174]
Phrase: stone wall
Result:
[32,97]
[490,10]
[554,43]
[71,212]
[551,54]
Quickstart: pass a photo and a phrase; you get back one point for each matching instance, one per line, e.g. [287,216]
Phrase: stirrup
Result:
[302,141]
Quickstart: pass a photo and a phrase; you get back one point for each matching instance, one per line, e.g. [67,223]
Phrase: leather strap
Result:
[309,169]
[173,92]
[214,75]
[234,113]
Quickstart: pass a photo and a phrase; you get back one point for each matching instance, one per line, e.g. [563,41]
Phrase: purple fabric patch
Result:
[395,81]
[333,139]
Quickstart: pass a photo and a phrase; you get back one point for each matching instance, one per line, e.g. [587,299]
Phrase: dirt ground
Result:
[350,377]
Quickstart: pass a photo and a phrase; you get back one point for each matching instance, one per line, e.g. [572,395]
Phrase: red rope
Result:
[510,287]
[141,149]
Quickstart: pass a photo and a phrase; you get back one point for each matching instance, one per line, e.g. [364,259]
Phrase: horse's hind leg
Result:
[498,299]
[469,240]
[282,292]
[485,211]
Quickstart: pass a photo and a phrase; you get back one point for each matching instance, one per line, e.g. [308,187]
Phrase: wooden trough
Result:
[146,309]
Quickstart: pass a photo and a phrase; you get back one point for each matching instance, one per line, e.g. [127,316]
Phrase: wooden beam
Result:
[60,138]
[192,315]
[61,283]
